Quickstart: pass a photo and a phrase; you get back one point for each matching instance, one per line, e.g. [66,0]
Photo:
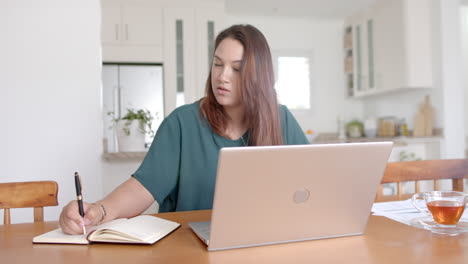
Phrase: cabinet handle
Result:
[116,31]
[126,31]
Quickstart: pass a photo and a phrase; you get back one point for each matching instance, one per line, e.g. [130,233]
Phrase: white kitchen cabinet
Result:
[403,44]
[132,32]
[392,48]
[189,34]
[111,25]
[126,24]
[359,55]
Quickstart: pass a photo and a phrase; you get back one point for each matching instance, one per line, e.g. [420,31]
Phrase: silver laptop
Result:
[278,194]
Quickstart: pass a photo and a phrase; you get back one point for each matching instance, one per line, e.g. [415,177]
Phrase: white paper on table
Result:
[402,211]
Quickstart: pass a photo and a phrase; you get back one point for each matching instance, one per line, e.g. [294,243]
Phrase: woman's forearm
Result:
[130,199]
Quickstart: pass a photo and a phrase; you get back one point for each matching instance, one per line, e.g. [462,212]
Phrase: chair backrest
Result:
[28,194]
[422,170]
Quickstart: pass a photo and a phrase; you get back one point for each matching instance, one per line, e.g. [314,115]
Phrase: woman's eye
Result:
[236,69]
[217,65]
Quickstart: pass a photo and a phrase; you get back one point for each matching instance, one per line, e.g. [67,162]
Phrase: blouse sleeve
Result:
[159,171]
[292,131]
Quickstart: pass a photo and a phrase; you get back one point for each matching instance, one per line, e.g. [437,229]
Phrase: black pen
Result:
[79,198]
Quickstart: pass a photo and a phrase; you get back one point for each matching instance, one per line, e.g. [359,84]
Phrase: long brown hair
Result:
[257,89]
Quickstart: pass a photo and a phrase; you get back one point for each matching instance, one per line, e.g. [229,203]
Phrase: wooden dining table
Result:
[384,241]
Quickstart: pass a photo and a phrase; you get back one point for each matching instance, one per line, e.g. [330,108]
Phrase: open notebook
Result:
[143,229]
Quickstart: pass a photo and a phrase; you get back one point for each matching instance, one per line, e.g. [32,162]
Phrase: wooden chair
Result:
[436,170]
[28,194]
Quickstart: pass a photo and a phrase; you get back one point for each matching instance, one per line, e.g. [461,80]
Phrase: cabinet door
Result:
[179,57]
[111,33]
[389,48]
[141,25]
[365,64]
[403,37]
[209,22]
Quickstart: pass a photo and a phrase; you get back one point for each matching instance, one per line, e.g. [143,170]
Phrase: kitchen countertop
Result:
[398,141]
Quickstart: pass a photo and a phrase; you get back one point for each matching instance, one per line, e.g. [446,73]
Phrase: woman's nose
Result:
[224,75]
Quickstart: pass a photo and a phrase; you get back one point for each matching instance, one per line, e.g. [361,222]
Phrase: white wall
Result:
[451,79]
[50,89]
[324,39]
[464,46]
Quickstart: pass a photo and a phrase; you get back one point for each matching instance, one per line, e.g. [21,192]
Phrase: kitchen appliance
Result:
[137,86]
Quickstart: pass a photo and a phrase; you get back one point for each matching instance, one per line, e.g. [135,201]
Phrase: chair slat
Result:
[457,185]
[400,190]
[6,216]
[435,170]
[417,186]
[425,170]
[28,194]
[38,214]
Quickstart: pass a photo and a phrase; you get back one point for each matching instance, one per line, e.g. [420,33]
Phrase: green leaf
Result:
[143,116]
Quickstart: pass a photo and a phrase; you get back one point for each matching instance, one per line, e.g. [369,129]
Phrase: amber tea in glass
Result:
[446,212]
[445,207]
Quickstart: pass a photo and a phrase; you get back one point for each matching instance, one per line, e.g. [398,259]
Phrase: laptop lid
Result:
[276,194]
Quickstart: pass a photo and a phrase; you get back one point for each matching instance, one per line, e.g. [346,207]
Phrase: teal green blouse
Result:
[179,169]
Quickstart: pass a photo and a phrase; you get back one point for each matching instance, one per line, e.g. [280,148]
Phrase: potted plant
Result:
[132,128]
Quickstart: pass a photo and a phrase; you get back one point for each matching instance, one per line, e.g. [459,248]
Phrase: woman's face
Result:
[225,76]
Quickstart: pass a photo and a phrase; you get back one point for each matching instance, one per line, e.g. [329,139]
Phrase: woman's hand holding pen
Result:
[71,221]
[130,199]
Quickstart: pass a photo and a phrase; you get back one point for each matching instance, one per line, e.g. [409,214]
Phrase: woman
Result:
[240,109]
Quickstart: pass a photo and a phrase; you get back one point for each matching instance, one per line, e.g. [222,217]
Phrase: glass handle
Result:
[419,196]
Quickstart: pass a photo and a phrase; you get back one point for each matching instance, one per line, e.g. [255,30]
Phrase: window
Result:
[293,79]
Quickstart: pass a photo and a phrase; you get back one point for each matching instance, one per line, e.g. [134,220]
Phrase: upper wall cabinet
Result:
[132,32]
[131,25]
[391,47]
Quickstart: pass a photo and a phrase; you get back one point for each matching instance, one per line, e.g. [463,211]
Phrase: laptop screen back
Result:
[275,194]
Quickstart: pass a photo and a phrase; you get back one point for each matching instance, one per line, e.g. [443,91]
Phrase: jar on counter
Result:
[403,128]
[370,127]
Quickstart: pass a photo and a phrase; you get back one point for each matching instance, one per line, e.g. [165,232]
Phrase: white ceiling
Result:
[297,8]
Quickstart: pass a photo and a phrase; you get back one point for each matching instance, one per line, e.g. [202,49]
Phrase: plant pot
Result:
[135,141]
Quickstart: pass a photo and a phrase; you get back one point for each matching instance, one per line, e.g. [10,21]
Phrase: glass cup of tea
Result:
[445,207]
